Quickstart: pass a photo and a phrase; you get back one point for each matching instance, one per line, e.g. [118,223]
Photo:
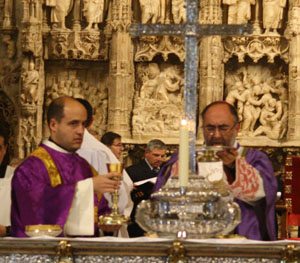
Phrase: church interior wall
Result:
[83,49]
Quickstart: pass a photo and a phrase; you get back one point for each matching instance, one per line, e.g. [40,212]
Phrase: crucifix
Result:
[191,30]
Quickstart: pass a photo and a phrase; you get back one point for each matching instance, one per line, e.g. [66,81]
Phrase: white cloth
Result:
[98,155]
[5,196]
[81,218]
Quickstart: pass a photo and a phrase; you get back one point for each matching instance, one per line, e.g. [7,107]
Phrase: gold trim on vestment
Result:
[51,168]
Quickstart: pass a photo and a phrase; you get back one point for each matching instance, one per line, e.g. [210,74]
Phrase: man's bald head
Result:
[56,108]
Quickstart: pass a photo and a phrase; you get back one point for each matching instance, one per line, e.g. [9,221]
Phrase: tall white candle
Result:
[183,154]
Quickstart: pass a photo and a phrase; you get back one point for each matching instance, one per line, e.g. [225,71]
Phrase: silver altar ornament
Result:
[198,209]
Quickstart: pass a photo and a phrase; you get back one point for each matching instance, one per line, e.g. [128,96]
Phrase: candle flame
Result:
[184,122]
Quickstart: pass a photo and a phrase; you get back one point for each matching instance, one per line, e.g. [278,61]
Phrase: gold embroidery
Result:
[288,202]
[288,175]
[288,189]
[46,158]
[96,214]
[288,161]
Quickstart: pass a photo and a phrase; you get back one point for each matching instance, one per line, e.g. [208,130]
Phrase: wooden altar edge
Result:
[157,249]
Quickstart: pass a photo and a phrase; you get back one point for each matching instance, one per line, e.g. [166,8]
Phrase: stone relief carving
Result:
[178,11]
[150,46]
[59,11]
[158,100]
[82,83]
[272,15]
[93,11]
[86,45]
[10,45]
[8,14]
[256,47]
[93,32]
[29,84]
[162,11]
[152,11]
[239,11]
[260,94]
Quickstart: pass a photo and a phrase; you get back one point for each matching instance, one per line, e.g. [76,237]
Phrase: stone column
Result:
[293,34]
[31,84]
[211,74]
[121,69]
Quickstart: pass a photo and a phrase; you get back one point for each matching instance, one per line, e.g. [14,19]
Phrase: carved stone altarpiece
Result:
[83,49]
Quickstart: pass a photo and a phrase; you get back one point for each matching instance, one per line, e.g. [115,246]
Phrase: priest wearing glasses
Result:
[248,173]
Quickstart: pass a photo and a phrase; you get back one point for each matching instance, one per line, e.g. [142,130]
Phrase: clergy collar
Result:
[51,144]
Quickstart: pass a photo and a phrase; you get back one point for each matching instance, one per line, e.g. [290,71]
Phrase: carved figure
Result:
[272,14]
[11,47]
[2,2]
[236,99]
[169,80]
[151,11]
[93,12]
[178,11]
[62,90]
[8,11]
[239,11]
[86,89]
[52,94]
[60,9]
[76,89]
[251,111]
[150,81]
[270,119]
[30,80]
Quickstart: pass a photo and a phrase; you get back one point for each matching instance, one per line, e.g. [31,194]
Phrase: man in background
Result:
[144,175]
[114,142]
[98,155]
[6,173]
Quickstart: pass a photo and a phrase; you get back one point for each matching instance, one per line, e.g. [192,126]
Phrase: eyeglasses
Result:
[118,145]
[223,129]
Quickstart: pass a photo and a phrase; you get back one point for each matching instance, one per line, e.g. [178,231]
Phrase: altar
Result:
[146,250]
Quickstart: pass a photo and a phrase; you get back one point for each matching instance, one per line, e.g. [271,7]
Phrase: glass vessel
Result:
[199,209]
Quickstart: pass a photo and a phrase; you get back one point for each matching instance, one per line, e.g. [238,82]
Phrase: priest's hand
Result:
[228,156]
[107,183]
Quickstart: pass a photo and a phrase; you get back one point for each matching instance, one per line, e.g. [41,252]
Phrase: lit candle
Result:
[183,154]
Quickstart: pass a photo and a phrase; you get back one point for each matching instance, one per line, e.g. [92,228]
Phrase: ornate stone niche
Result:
[260,94]
[83,48]
[87,80]
[158,100]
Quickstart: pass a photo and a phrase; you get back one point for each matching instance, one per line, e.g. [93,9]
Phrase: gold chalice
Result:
[114,218]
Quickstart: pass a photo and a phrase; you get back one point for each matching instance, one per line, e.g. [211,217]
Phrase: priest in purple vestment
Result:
[249,173]
[54,185]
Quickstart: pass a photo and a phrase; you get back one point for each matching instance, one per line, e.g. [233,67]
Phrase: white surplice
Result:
[5,196]
[98,155]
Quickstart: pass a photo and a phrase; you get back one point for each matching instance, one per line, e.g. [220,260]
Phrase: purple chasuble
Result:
[36,201]
[259,215]
[251,215]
